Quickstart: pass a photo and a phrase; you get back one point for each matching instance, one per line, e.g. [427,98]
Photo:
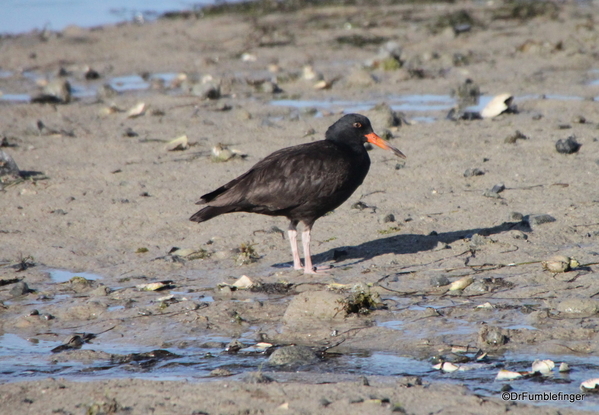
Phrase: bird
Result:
[302,182]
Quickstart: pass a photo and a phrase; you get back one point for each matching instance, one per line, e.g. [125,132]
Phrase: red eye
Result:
[357,125]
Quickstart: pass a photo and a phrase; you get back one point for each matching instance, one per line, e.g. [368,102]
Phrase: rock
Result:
[207,90]
[492,336]
[515,217]
[321,305]
[389,218]
[292,356]
[7,165]
[473,172]
[568,146]
[382,116]
[584,306]
[19,289]
[57,91]
[439,281]
[494,192]
[539,219]
[360,78]
[515,137]
[269,87]
[106,92]
[257,377]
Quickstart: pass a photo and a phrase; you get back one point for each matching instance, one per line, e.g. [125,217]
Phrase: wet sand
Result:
[99,193]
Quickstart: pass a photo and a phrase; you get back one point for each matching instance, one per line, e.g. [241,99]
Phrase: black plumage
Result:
[302,182]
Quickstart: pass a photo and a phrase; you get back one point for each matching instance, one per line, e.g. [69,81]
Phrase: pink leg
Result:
[292,232]
[308,268]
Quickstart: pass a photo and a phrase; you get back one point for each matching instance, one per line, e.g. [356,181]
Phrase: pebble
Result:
[7,165]
[208,90]
[539,219]
[441,246]
[473,172]
[257,377]
[492,336]
[57,91]
[515,137]
[586,306]
[515,217]
[105,92]
[439,281]
[494,192]
[292,355]
[269,87]
[19,289]
[567,146]
[389,218]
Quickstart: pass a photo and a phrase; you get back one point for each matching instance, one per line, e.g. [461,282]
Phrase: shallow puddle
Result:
[22,359]
[59,275]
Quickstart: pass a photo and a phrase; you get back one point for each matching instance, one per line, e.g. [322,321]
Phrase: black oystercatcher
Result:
[302,182]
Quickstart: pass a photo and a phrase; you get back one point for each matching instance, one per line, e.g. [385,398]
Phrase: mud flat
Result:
[96,213]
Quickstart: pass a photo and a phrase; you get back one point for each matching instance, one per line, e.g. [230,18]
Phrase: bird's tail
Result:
[209,212]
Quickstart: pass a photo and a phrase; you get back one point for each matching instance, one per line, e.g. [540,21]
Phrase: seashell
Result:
[178,144]
[243,283]
[499,104]
[508,375]
[461,283]
[543,366]
[558,263]
[449,367]
[309,74]
[154,286]
[590,385]
[137,110]
[485,306]
[248,57]
[564,367]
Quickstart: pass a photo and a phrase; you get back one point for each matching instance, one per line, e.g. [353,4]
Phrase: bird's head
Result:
[357,128]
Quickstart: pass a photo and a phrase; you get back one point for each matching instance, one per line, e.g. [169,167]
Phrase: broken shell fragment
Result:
[505,374]
[543,367]
[178,144]
[243,283]
[155,286]
[449,367]
[564,367]
[137,110]
[221,152]
[498,105]
[560,263]
[461,283]
[590,385]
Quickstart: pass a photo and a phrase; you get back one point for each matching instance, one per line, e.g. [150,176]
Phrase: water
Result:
[22,359]
[24,15]
[59,275]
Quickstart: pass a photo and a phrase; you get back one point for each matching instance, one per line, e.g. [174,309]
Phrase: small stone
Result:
[568,146]
[584,306]
[579,119]
[494,192]
[7,165]
[478,240]
[220,372]
[257,377]
[439,281]
[389,218]
[441,246]
[515,137]
[57,91]
[492,336]
[292,355]
[105,92]
[207,90]
[473,172]
[19,289]
[539,219]
[269,87]
[516,234]
[515,217]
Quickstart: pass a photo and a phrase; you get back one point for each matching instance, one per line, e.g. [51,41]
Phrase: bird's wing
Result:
[286,178]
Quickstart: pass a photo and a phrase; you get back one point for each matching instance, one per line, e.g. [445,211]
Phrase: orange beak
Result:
[378,141]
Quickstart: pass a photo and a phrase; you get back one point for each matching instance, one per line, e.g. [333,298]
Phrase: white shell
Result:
[543,366]
[179,143]
[508,375]
[461,283]
[243,283]
[564,367]
[497,105]
[590,384]
[137,110]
